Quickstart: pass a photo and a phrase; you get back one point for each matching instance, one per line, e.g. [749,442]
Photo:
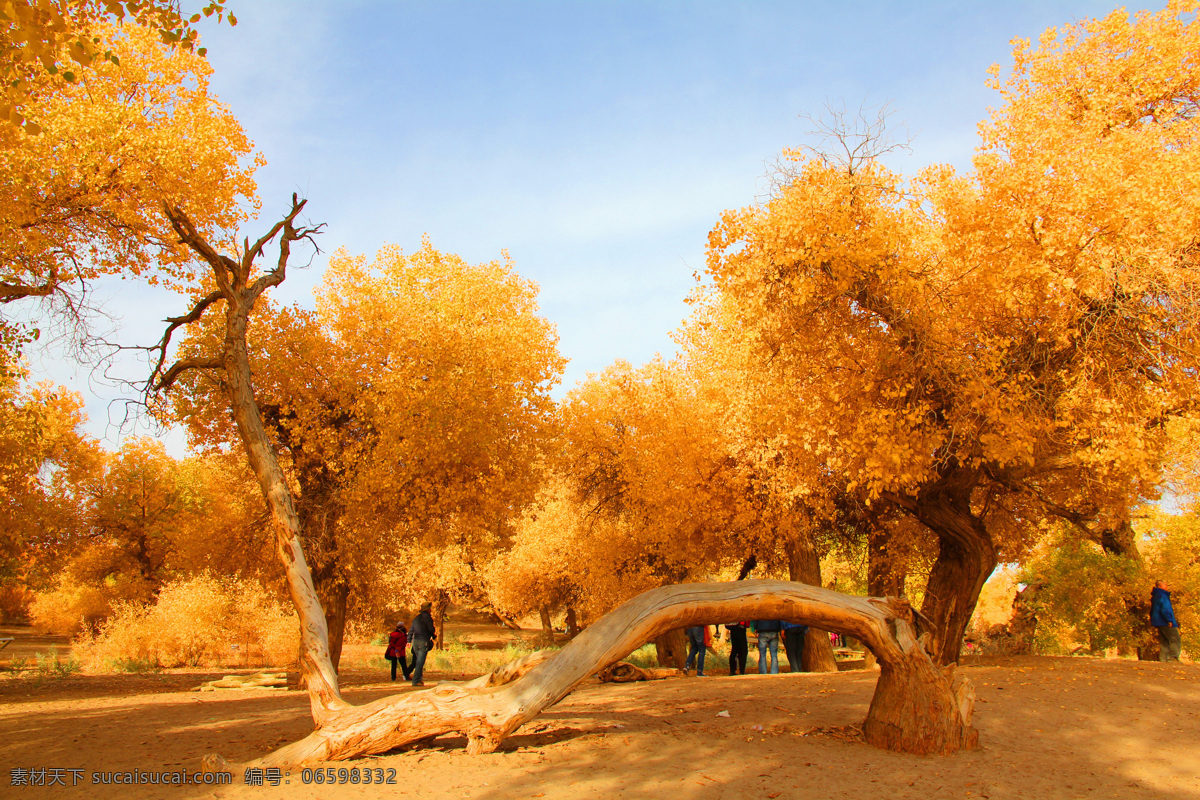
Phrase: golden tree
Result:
[410,408]
[84,198]
[983,350]
[43,460]
[41,38]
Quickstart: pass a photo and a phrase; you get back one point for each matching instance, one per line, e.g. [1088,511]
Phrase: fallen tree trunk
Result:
[917,708]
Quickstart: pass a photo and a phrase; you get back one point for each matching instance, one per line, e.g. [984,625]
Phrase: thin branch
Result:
[184,365]
[173,324]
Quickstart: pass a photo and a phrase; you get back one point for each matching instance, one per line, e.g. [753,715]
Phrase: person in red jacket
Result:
[396,650]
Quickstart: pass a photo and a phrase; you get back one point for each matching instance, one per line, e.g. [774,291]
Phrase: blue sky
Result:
[596,141]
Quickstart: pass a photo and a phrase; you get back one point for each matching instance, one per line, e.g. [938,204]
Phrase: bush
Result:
[15,603]
[200,621]
[71,607]
[1085,597]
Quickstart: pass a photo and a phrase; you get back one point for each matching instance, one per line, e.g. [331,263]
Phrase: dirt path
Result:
[1049,727]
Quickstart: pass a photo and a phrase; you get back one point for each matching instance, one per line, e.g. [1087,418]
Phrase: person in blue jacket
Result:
[1162,617]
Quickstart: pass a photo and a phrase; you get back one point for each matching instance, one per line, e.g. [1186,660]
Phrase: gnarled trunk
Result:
[886,569]
[572,623]
[319,674]
[239,288]
[547,624]
[804,566]
[966,557]
[917,707]
[671,649]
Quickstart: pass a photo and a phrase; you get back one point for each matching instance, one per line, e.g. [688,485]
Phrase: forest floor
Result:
[1048,728]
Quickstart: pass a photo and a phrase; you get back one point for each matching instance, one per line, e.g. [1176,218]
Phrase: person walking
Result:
[423,633]
[738,647]
[1162,617]
[397,650]
[793,643]
[696,649]
[768,641]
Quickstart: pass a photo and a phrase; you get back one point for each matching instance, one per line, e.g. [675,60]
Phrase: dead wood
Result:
[624,672]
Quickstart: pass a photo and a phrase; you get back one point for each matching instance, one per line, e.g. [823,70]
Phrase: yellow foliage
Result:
[85,197]
[40,38]
[1004,344]
[44,461]
[200,621]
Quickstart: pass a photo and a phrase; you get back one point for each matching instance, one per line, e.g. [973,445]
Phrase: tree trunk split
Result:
[917,707]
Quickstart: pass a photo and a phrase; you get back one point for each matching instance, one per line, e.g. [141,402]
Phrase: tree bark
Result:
[335,600]
[804,566]
[441,602]
[917,708]
[572,623]
[547,624]
[1120,541]
[885,569]
[670,648]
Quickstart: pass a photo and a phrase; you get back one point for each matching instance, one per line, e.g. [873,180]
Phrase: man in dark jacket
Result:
[1162,617]
[738,647]
[422,633]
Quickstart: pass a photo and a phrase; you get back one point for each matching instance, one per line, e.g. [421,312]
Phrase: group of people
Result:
[769,632]
[421,634]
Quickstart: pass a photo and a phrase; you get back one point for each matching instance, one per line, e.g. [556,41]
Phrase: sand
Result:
[1049,727]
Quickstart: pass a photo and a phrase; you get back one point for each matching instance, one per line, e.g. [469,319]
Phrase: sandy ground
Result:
[1049,728]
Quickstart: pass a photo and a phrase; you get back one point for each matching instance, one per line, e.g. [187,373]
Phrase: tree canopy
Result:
[984,351]
[85,198]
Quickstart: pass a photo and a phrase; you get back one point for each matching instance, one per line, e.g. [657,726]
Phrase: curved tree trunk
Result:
[240,286]
[966,558]
[1120,541]
[917,707]
[804,566]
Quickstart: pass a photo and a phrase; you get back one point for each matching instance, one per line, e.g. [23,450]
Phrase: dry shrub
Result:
[199,621]
[71,607]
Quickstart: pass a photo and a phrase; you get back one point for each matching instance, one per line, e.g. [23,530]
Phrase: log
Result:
[917,707]
[259,680]
[624,672]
